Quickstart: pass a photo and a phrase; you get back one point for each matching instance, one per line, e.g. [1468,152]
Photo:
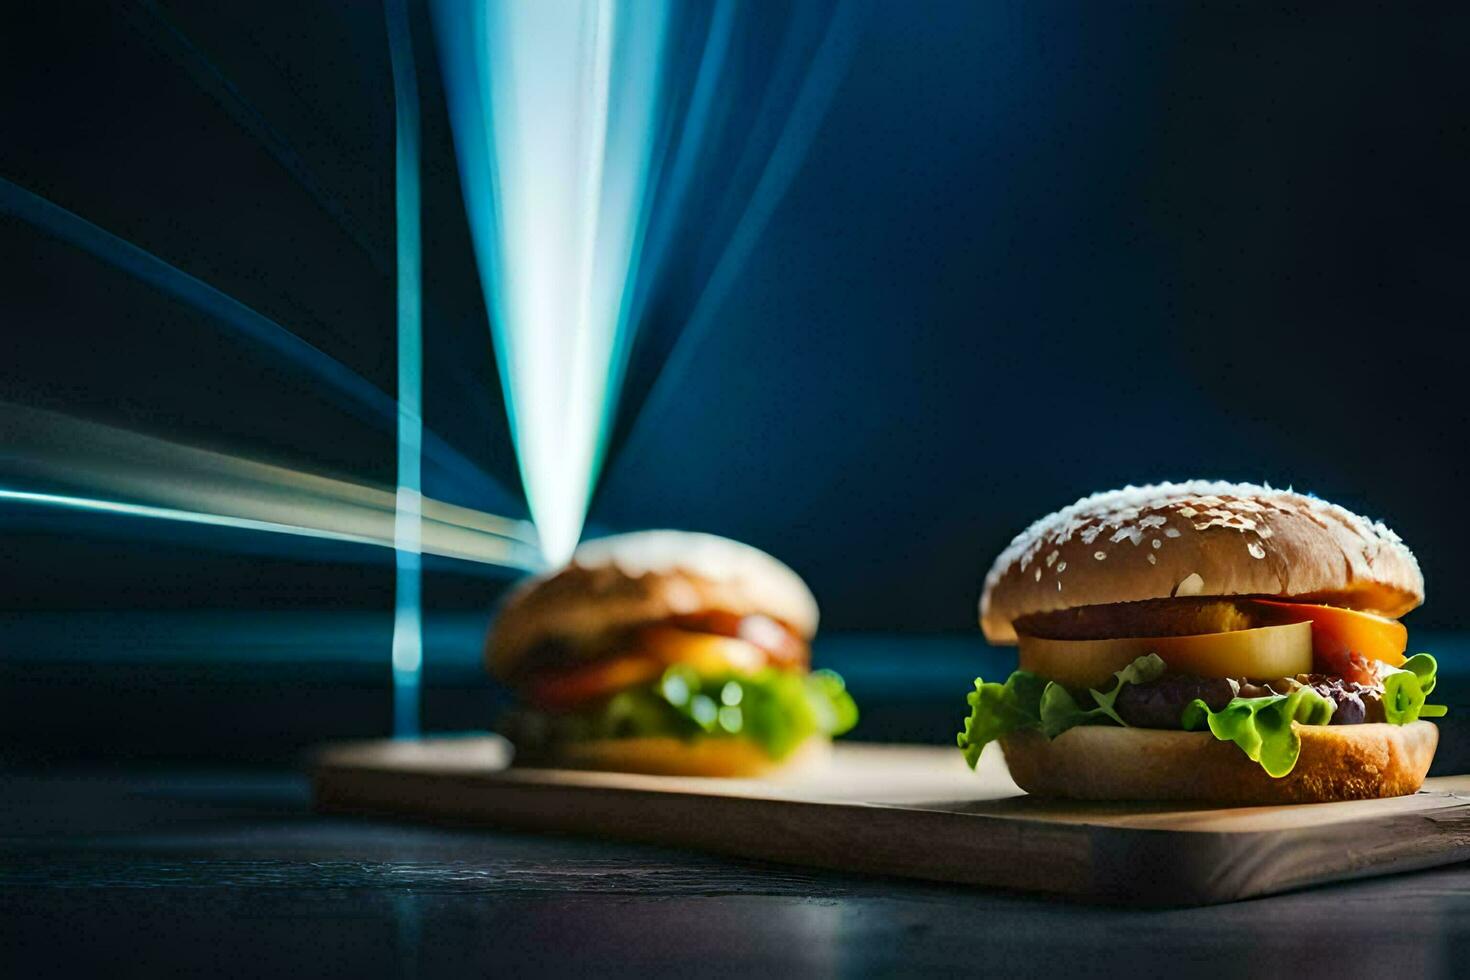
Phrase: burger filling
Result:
[712,674]
[1246,671]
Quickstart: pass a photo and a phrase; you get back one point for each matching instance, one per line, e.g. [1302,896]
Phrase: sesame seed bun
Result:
[1337,762]
[716,757]
[1199,538]
[627,580]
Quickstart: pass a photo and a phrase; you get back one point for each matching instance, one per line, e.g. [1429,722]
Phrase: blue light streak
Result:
[798,121]
[460,540]
[554,109]
[124,509]
[173,281]
[359,395]
[49,452]
[408,636]
[664,220]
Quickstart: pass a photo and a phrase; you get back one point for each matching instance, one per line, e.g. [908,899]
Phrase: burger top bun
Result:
[628,579]
[1200,538]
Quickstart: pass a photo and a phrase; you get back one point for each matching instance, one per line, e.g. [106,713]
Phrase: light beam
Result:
[56,460]
[408,629]
[354,392]
[554,107]
[798,121]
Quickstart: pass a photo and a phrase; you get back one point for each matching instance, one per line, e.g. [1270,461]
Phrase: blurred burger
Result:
[1206,641]
[667,652]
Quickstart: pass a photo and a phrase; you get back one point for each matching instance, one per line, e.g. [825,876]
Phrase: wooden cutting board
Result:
[920,813]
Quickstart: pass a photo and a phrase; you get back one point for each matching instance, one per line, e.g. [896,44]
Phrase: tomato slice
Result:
[1342,639]
[652,650]
[563,690]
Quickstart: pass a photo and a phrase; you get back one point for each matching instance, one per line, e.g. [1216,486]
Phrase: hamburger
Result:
[670,653]
[1218,642]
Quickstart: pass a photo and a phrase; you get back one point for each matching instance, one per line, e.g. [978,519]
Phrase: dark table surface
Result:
[139,871]
[127,849]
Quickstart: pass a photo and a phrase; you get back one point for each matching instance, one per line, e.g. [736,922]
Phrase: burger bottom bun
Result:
[1344,762]
[732,757]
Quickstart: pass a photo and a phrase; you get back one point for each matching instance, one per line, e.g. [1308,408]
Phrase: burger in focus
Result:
[670,653]
[1206,641]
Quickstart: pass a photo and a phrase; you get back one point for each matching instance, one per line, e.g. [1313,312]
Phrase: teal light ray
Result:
[124,509]
[554,109]
[687,152]
[458,541]
[356,393]
[408,631]
[60,453]
[162,28]
[799,123]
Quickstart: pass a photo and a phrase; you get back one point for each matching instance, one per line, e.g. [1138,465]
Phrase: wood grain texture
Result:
[918,812]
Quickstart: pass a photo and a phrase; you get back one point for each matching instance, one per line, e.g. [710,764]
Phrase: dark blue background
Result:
[1035,250]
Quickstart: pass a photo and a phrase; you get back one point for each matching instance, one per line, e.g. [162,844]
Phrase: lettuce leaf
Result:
[999,709]
[1027,701]
[1262,727]
[1060,711]
[1141,671]
[1406,688]
[776,709]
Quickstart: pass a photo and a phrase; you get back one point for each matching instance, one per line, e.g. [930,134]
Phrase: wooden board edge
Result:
[835,836]
[1088,862]
[1213,867]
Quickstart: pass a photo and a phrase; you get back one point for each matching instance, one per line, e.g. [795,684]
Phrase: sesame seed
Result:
[1038,573]
[1256,550]
[1152,560]
[1061,567]
[1099,555]
[1171,532]
[1191,584]
[1133,534]
[1157,544]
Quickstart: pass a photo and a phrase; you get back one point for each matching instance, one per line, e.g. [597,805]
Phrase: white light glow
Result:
[554,108]
[110,470]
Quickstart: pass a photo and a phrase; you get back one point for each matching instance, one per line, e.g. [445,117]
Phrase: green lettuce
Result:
[776,709]
[1026,701]
[1262,727]
[1141,671]
[1406,688]
[1060,711]
[999,709]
